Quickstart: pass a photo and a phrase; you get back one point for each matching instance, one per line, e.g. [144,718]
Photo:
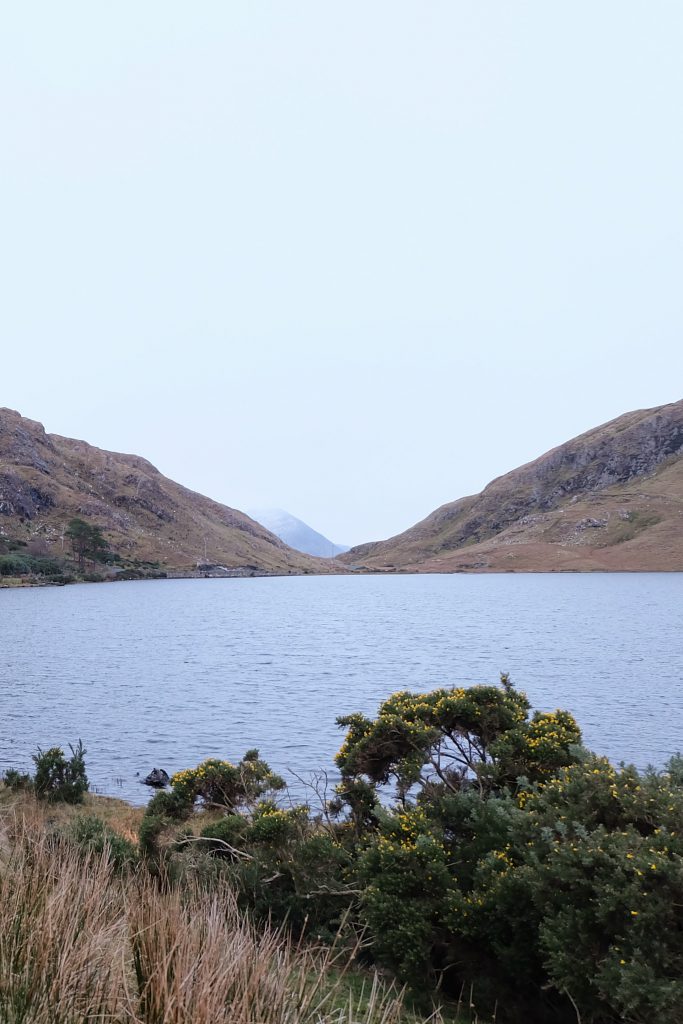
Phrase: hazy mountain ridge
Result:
[296,533]
[46,479]
[611,498]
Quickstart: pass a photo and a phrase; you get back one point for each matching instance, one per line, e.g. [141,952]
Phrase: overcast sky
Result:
[353,260]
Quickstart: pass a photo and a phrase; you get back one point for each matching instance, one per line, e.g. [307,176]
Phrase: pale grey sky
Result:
[352,260]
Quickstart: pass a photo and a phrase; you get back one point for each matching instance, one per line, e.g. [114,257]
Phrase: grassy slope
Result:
[45,480]
[610,499]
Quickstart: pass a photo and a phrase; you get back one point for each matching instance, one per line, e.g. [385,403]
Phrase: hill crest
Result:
[46,480]
[611,498]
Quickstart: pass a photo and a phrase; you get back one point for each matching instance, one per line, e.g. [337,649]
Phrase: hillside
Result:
[296,533]
[610,499]
[47,480]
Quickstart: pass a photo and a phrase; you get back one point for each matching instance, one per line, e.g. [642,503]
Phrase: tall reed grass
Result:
[80,942]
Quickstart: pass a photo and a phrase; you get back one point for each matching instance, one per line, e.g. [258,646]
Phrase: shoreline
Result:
[18,583]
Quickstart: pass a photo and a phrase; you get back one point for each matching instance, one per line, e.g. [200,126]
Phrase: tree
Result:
[86,541]
[78,533]
[98,546]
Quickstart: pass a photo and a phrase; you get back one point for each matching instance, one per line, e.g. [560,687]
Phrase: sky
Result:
[351,260]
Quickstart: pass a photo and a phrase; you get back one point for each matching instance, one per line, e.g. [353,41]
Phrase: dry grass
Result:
[81,943]
[120,816]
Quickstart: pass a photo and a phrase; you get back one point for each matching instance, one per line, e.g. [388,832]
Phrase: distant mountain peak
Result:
[295,533]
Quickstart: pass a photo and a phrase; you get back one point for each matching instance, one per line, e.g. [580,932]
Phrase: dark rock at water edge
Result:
[157,778]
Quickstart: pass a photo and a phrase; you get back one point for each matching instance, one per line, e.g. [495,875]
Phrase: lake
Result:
[165,673]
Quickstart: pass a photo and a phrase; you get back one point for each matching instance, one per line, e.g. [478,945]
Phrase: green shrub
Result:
[16,780]
[223,784]
[567,894]
[94,835]
[174,804]
[230,831]
[287,869]
[151,827]
[14,565]
[454,739]
[59,779]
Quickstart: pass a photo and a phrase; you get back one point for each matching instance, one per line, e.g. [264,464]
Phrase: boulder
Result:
[157,778]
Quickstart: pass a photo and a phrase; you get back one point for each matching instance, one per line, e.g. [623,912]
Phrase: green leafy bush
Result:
[174,804]
[14,565]
[227,834]
[58,778]
[151,828]
[94,835]
[17,780]
[479,848]
[455,739]
[284,867]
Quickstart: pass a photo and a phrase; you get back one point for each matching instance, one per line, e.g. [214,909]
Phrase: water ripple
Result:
[167,673]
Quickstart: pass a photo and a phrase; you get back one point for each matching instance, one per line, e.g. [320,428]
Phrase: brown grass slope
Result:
[610,499]
[46,480]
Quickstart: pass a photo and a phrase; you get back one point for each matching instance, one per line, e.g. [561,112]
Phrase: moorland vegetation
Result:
[85,558]
[471,851]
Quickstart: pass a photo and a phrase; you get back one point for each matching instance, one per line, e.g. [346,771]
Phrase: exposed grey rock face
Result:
[19,498]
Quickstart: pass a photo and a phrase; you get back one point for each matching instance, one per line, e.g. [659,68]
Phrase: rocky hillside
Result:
[146,519]
[610,499]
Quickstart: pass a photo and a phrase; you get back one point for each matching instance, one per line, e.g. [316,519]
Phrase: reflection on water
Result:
[167,673]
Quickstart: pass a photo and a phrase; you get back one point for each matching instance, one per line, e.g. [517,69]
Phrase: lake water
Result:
[169,672]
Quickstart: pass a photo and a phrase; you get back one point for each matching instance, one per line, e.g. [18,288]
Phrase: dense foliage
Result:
[87,557]
[57,778]
[472,845]
[60,778]
[87,542]
[475,844]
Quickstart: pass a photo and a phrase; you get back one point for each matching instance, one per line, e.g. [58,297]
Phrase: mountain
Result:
[611,499]
[295,533]
[47,480]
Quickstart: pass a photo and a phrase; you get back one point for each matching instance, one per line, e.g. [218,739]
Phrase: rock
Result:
[590,524]
[157,778]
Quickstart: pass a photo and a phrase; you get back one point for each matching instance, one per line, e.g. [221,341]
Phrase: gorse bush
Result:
[222,784]
[471,844]
[455,739]
[58,778]
[514,861]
